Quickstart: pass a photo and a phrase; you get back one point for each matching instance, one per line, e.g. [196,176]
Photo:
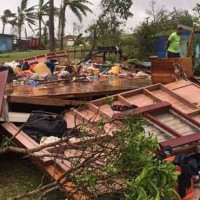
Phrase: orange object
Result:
[189,191]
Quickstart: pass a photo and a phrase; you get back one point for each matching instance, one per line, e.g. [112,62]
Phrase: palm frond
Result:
[31,9]
[76,12]
[41,2]
[24,4]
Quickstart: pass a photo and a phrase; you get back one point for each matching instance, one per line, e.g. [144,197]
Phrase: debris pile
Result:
[34,73]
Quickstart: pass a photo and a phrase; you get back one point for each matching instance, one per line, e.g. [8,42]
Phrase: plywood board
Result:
[163,69]
[186,90]
[165,96]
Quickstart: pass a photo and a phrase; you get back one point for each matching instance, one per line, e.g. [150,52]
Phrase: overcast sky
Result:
[139,10]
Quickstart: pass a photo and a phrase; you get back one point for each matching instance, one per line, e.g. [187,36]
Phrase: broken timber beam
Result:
[44,101]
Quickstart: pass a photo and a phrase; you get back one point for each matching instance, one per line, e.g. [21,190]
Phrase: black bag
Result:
[41,124]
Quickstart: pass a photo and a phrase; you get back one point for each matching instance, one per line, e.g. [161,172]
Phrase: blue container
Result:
[161,54]
[159,42]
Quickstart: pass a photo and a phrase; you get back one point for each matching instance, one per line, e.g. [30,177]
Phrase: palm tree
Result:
[25,14]
[78,7]
[6,18]
[42,10]
[51,25]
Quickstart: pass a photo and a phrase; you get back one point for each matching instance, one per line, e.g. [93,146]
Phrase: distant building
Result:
[6,42]
[69,40]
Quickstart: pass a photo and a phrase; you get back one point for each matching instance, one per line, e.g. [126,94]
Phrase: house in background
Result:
[69,40]
[6,42]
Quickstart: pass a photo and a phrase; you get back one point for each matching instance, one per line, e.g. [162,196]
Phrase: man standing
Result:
[173,43]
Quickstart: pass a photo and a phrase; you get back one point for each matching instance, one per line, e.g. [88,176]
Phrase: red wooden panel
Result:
[31,60]
[23,140]
[177,142]
[3,80]
[41,58]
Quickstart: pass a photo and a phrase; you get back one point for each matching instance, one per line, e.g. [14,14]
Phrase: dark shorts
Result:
[173,55]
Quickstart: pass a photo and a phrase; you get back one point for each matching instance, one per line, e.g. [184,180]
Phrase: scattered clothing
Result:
[41,124]
[40,68]
[123,107]
[47,140]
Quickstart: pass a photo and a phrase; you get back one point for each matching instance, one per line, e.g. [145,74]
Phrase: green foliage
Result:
[154,182]
[143,41]
[108,32]
[7,18]
[121,7]
[79,8]
[160,21]
[25,14]
[128,160]
[107,28]
[196,10]
[109,100]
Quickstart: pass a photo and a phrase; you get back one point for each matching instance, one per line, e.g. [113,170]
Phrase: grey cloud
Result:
[139,10]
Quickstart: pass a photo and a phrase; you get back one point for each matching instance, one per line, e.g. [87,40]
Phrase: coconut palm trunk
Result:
[3,29]
[51,26]
[62,17]
[78,7]
[40,29]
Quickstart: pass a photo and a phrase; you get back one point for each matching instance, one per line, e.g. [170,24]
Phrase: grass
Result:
[19,176]
[10,56]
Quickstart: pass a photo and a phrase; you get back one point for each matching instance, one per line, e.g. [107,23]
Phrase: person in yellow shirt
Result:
[173,43]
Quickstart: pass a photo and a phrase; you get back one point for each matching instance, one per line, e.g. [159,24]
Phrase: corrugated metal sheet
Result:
[6,42]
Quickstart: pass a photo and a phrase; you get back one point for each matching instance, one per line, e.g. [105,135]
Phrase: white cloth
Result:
[47,140]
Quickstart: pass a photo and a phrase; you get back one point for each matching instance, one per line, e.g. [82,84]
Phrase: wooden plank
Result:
[156,131]
[18,117]
[44,101]
[31,60]
[178,102]
[163,126]
[163,69]
[158,107]
[191,93]
[178,84]
[178,97]
[77,89]
[23,140]
[191,40]
[3,80]
[186,116]
[176,122]
[177,142]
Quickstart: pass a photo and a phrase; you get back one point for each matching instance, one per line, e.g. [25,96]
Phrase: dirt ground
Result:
[18,176]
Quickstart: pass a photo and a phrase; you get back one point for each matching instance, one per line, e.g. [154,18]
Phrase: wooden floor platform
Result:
[53,93]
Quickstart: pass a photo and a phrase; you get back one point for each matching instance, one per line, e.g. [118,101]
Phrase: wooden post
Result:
[191,41]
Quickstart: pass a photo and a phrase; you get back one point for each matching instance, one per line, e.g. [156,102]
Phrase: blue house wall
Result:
[159,43]
[6,42]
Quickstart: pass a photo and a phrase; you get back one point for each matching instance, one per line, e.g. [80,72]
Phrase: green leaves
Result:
[156,181]
[109,100]
[120,7]
[122,164]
